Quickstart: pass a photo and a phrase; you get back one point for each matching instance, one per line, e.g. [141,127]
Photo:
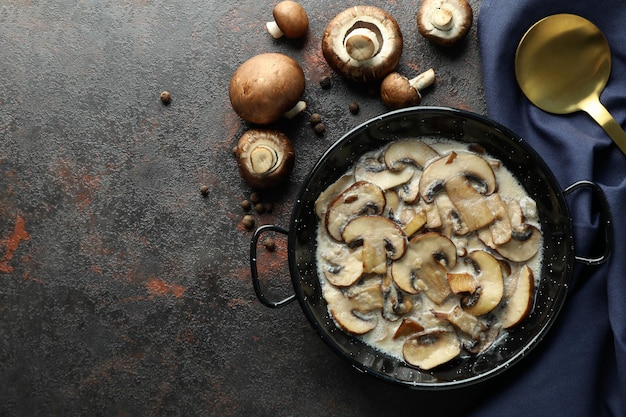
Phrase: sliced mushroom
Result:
[464,321]
[516,215]
[352,311]
[415,224]
[408,151]
[267,87]
[265,157]
[359,199]
[462,282]
[363,43]
[331,193]
[392,205]
[519,298]
[408,327]
[433,219]
[381,239]
[431,348]
[290,20]
[453,173]
[425,265]
[451,221]
[397,91]
[524,244]
[500,229]
[374,171]
[490,284]
[444,22]
[343,266]
[395,302]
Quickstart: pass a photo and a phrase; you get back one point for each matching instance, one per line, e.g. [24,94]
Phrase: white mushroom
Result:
[363,43]
[444,22]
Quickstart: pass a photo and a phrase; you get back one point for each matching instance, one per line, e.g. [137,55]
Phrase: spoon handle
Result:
[602,116]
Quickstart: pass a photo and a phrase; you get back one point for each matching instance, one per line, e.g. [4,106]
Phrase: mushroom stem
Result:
[423,80]
[442,19]
[295,110]
[362,44]
[263,159]
[274,30]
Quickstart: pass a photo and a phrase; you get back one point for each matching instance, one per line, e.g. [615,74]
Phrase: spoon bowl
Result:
[562,64]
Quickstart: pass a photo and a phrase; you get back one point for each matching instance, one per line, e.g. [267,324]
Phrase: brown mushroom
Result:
[351,309]
[267,87]
[290,20]
[490,284]
[444,22]
[363,43]
[265,157]
[381,238]
[431,348]
[425,266]
[397,91]
[341,265]
[455,173]
[360,198]
[465,322]
[520,289]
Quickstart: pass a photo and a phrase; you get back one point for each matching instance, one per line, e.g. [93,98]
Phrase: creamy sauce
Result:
[381,336]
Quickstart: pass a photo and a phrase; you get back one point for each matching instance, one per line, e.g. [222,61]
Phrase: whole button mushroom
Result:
[363,43]
[265,157]
[267,87]
[397,91]
[444,22]
[290,20]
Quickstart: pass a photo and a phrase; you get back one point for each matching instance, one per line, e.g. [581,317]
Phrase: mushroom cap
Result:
[396,92]
[291,18]
[379,22]
[265,157]
[444,21]
[265,87]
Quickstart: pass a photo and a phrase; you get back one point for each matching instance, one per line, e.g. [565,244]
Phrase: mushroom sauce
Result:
[427,250]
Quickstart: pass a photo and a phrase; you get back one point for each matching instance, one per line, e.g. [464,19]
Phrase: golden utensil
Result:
[562,64]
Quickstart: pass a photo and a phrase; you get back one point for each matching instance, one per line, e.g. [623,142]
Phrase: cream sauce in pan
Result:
[383,320]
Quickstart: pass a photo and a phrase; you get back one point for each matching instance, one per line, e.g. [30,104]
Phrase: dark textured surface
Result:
[123,290]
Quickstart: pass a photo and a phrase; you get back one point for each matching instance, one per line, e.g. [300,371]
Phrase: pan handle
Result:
[607,219]
[255,273]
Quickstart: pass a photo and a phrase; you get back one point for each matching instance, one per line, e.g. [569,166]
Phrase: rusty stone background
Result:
[123,290]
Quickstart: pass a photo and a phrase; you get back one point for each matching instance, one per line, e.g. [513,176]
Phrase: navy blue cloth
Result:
[580,368]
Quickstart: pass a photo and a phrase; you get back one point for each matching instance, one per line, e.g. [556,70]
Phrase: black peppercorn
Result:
[269,244]
[316,118]
[320,128]
[248,221]
[354,107]
[165,97]
[255,197]
[246,205]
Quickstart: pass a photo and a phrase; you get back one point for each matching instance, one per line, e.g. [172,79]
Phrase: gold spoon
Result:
[562,64]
